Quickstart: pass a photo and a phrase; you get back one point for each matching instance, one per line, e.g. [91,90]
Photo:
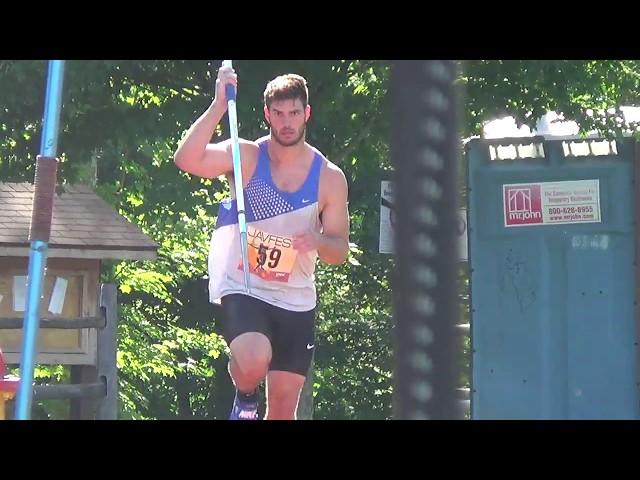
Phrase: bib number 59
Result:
[274,256]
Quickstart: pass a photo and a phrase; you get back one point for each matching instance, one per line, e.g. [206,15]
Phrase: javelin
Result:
[237,176]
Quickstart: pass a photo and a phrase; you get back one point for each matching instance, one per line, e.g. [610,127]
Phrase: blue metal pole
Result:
[38,250]
[53,105]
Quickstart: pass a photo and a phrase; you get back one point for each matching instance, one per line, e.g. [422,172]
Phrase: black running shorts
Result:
[291,333]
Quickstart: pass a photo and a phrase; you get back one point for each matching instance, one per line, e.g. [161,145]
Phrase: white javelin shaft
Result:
[237,177]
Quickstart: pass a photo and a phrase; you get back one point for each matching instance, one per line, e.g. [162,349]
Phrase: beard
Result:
[294,140]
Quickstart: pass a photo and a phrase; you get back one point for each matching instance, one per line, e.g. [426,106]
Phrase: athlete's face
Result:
[288,121]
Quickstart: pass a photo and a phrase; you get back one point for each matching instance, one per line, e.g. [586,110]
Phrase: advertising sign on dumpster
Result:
[551,203]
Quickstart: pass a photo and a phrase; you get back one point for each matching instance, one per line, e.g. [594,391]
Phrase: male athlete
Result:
[296,211]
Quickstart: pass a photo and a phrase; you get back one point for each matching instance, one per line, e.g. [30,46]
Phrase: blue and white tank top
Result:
[280,275]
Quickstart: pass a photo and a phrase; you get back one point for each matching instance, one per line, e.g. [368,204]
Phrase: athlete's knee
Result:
[251,353]
[250,369]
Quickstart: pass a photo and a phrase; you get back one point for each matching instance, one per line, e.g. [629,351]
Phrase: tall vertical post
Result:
[107,353]
[424,149]
[39,233]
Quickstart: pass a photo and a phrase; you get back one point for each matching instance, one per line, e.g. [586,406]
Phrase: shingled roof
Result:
[82,226]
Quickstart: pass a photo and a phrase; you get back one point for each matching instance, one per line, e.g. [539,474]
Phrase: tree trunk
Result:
[305,405]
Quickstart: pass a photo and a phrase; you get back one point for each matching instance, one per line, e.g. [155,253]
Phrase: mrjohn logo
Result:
[522,205]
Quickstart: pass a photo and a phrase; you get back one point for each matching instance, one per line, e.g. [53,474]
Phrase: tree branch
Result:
[353,144]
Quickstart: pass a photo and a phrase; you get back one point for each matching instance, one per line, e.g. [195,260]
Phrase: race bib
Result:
[271,257]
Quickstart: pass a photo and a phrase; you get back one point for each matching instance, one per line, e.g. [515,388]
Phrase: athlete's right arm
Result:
[195,154]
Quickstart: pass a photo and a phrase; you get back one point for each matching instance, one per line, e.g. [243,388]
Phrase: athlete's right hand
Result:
[226,75]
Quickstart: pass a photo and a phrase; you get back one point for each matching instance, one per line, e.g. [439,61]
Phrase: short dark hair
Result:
[287,87]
